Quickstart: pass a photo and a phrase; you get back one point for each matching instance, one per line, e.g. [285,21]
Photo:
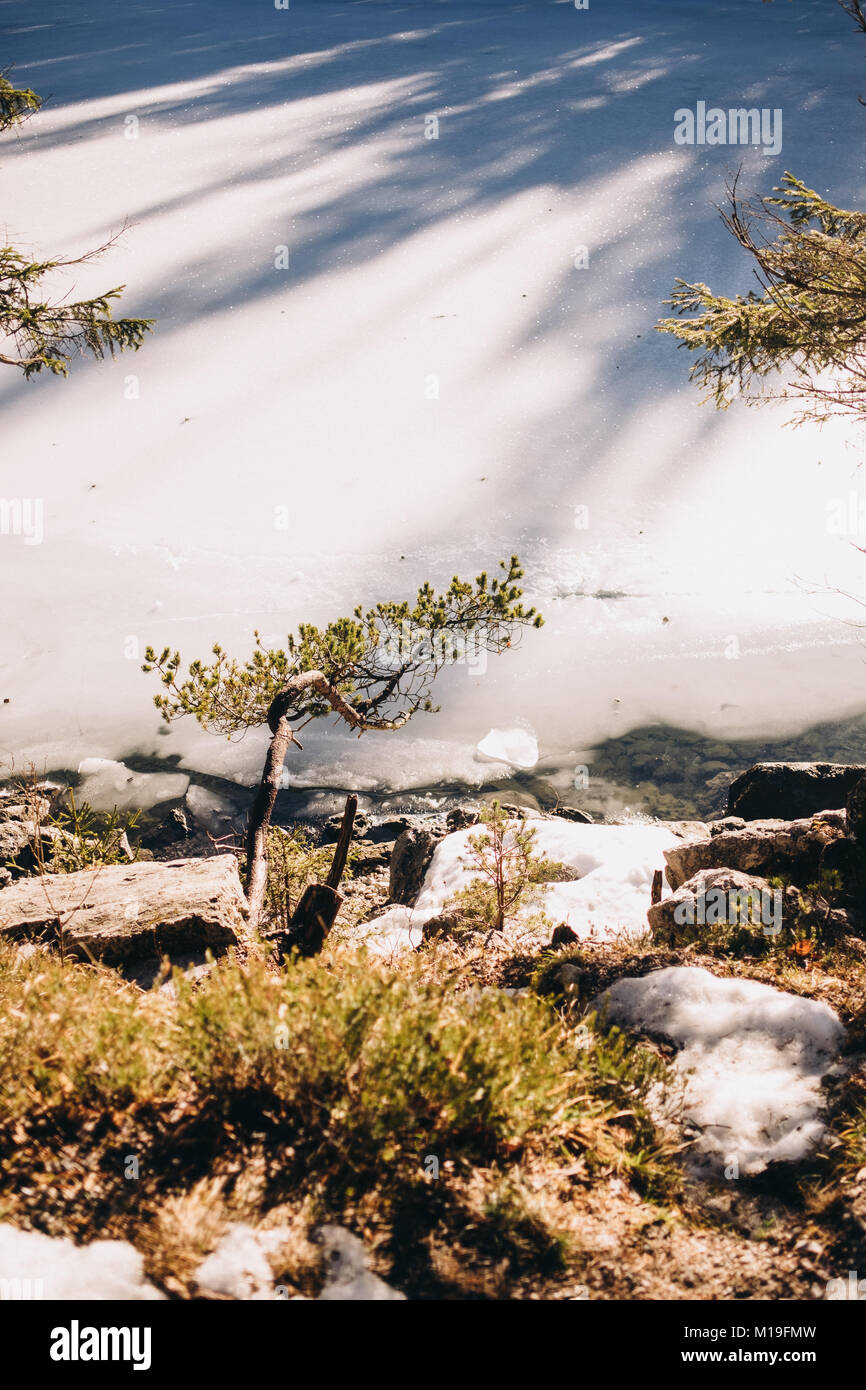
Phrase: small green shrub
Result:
[87,838]
[506,873]
[294,861]
[74,836]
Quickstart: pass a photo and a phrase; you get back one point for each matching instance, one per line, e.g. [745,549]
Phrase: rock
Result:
[334,824]
[347,1277]
[762,847]
[855,812]
[387,831]
[682,918]
[519,805]
[718,827]
[572,813]
[443,924]
[16,839]
[687,829]
[791,790]
[131,911]
[570,976]
[461,817]
[410,859]
[20,824]
[370,855]
[170,831]
[563,936]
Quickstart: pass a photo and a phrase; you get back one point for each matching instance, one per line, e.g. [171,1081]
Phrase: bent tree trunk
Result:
[283,709]
[260,819]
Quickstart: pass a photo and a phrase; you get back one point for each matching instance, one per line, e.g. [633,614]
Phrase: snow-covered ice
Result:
[209,809]
[432,382]
[33,1265]
[105,784]
[608,898]
[750,1064]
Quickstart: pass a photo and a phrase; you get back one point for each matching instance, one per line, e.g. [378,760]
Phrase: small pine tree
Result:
[16,103]
[809,317]
[505,867]
[373,670]
[37,333]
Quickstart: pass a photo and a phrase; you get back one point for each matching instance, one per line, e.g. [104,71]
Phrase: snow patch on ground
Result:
[57,1269]
[608,898]
[347,1277]
[238,1267]
[751,1063]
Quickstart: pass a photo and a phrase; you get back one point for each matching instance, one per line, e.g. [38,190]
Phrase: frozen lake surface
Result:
[431,383]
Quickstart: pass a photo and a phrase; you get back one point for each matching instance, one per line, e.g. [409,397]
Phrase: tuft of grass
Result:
[310,1089]
[385,1067]
[84,838]
[83,1040]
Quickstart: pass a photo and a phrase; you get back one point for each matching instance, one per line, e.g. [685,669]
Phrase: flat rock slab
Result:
[132,911]
[761,847]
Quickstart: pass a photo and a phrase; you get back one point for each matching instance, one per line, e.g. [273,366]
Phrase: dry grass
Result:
[312,1093]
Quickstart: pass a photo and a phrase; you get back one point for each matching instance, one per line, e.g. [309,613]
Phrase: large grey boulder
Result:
[131,911]
[410,859]
[764,848]
[791,790]
[684,916]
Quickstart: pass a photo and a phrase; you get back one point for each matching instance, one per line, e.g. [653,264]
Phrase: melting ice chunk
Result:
[519,747]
